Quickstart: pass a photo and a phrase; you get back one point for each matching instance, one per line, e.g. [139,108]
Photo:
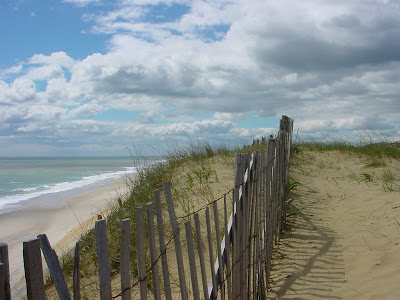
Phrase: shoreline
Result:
[63,222]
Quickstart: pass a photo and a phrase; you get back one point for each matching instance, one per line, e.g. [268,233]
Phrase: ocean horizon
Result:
[48,180]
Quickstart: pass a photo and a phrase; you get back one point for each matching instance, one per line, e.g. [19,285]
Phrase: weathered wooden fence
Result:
[239,263]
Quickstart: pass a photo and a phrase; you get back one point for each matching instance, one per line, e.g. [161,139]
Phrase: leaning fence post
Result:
[5,282]
[177,241]
[103,259]
[54,267]
[33,270]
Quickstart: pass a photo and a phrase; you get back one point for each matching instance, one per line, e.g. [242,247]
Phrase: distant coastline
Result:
[48,180]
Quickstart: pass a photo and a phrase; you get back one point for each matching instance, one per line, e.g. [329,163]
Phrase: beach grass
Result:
[192,172]
[374,151]
[378,160]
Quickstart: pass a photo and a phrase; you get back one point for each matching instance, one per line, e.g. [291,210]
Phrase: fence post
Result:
[54,267]
[153,251]
[76,276]
[213,294]
[163,250]
[192,260]
[33,270]
[125,259]
[270,205]
[227,254]
[237,218]
[177,241]
[141,252]
[201,255]
[103,261]
[2,281]
[219,254]
[5,283]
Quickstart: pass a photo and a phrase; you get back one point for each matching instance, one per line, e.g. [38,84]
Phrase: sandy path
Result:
[345,240]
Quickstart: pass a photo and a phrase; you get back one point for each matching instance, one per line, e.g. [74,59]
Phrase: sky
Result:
[102,77]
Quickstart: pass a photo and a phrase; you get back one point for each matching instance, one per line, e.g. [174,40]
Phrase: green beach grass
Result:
[194,173]
[198,174]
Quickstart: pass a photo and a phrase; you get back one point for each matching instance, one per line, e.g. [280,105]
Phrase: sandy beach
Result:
[63,223]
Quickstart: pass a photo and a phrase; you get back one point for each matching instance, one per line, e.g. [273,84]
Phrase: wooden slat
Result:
[262,228]
[244,232]
[33,270]
[2,281]
[269,217]
[212,289]
[200,250]
[76,276]
[177,241]
[192,261]
[6,282]
[103,260]
[125,259]
[254,229]
[227,255]
[250,202]
[153,252]
[164,261]
[236,245]
[219,253]
[141,252]
[54,267]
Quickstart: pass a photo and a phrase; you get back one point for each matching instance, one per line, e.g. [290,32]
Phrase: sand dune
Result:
[345,238]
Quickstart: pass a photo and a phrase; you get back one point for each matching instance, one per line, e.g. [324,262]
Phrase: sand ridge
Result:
[345,238]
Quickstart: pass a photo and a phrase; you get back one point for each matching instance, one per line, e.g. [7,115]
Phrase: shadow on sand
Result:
[310,263]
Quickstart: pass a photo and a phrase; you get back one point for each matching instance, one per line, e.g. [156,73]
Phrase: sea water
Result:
[25,179]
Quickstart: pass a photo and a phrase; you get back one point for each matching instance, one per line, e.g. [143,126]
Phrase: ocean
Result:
[51,179]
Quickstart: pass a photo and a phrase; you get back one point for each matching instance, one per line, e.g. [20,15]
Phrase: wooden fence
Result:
[239,263]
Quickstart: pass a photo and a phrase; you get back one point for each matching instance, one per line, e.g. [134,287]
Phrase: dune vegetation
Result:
[198,175]
[202,173]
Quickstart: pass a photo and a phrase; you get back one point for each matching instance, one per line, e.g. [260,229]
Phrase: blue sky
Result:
[88,77]
[44,26]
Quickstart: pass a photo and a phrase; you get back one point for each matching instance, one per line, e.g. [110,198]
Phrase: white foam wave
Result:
[30,193]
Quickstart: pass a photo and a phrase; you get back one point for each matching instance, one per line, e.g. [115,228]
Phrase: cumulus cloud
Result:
[56,58]
[10,71]
[333,66]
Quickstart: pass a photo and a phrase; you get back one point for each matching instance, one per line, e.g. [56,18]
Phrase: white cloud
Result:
[45,72]
[85,111]
[229,116]
[333,66]
[56,58]
[12,70]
